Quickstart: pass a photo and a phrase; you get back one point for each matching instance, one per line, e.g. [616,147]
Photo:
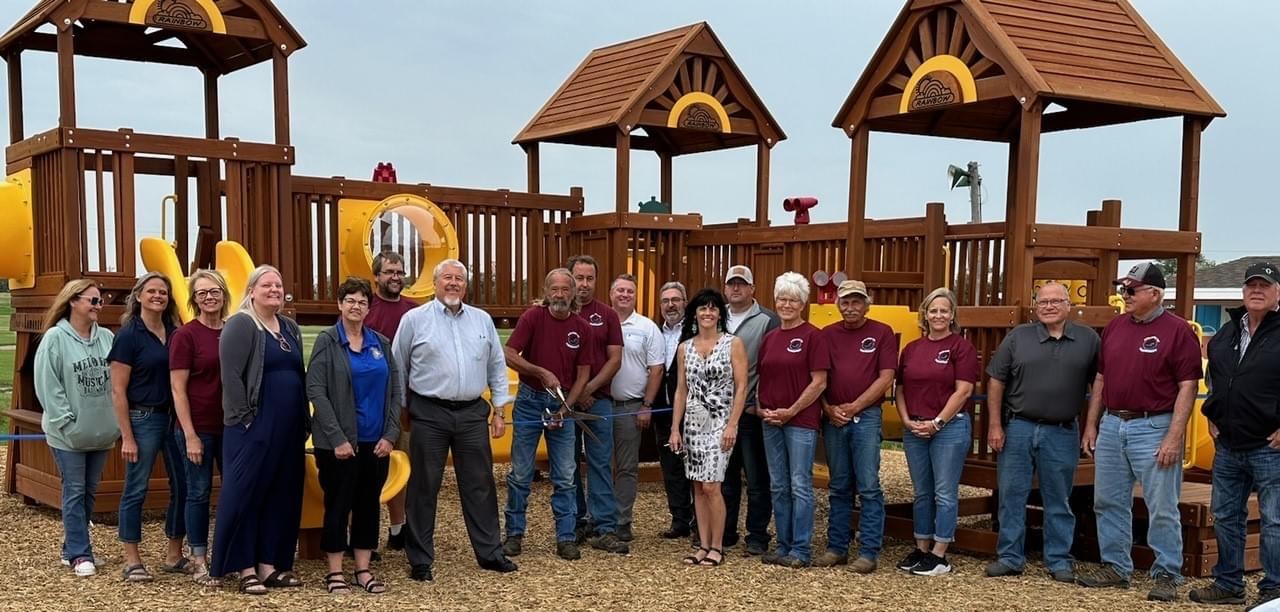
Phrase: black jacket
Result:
[666,396]
[1244,394]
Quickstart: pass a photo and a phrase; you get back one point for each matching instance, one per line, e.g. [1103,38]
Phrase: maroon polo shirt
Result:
[194,347]
[605,330]
[928,371]
[559,345]
[1142,363]
[788,357]
[857,357]
[384,317]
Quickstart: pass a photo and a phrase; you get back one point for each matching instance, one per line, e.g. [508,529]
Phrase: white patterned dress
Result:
[709,401]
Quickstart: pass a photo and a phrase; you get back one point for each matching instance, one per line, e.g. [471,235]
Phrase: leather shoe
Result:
[421,573]
[501,565]
[675,533]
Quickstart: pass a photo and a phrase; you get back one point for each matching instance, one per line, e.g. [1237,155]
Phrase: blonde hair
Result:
[61,307]
[791,285]
[133,304]
[940,292]
[216,278]
[246,304]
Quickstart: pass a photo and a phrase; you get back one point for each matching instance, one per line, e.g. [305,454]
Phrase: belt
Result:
[626,402]
[920,418]
[1129,415]
[1064,424]
[450,404]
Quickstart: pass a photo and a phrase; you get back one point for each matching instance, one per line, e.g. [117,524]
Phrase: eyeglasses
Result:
[1131,291]
[1051,303]
[392,272]
[354,303]
[669,301]
[284,342]
[93,301]
[208,293]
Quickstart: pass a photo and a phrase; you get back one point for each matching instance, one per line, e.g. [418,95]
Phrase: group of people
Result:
[735,394]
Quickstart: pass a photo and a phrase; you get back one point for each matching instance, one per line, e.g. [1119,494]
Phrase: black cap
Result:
[1147,274]
[1262,269]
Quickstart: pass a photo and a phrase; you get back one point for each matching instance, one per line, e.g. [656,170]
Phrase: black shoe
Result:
[501,566]
[624,533]
[755,549]
[729,542]
[675,533]
[610,543]
[421,573]
[911,560]
[582,532]
[1216,595]
[568,550]
[931,565]
[511,546]
[395,541]
[997,568]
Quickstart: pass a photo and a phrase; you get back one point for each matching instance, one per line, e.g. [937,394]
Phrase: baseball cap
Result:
[1147,274]
[1262,269]
[741,272]
[852,287]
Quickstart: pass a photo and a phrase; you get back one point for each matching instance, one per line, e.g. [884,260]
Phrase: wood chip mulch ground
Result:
[650,578]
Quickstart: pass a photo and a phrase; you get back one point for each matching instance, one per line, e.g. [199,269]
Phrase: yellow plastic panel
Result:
[17,234]
[904,322]
[355,227]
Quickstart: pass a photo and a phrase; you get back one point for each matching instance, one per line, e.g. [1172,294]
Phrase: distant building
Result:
[1217,289]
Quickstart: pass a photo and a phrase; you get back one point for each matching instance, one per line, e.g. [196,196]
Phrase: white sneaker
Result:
[85,568]
[97,562]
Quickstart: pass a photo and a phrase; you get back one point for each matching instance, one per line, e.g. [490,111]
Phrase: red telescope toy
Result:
[800,206]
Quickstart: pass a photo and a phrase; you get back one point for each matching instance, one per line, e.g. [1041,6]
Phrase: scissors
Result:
[555,419]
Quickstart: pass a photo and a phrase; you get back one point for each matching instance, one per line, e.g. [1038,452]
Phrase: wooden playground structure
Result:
[992,70]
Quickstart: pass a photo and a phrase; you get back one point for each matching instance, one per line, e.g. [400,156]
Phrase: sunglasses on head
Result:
[93,301]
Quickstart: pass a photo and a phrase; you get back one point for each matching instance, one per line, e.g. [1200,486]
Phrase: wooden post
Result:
[762,184]
[1018,257]
[66,78]
[622,186]
[211,127]
[15,97]
[1101,292]
[1188,212]
[280,88]
[664,171]
[531,161]
[935,236]
[855,248]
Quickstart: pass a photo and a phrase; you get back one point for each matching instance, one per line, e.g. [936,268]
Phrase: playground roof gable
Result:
[981,61]
[220,36]
[680,86]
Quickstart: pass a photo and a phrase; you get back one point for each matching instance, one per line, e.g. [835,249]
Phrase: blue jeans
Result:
[526,431]
[152,432]
[80,473]
[1050,452]
[1235,474]
[935,464]
[790,451]
[1125,454]
[199,487]
[596,499]
[853,462]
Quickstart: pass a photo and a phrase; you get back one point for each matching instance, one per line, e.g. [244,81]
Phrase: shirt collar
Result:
[438,306]
[667,328]
[1151,317]
[369,338]
[1042,331]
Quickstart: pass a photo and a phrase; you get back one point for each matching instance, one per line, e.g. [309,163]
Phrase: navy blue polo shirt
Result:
[369,374]
[148,360]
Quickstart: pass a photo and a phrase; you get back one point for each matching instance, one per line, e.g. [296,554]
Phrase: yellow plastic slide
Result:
[230,259]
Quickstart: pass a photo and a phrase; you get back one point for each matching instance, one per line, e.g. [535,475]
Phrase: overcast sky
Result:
[441,88]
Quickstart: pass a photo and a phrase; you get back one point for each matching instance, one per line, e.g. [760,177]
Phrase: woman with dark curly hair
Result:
[711,390]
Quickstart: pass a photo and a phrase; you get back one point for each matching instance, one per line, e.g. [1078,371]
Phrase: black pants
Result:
[352,489]
[463,428]
[748,455]
[674,481]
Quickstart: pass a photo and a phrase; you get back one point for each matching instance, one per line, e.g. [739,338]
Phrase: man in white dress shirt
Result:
[449,353]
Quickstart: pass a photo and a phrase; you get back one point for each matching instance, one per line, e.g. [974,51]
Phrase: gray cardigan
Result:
[758,322]
[240,350]
[331,394]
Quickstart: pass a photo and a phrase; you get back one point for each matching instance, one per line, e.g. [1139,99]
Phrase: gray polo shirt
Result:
[1046,378]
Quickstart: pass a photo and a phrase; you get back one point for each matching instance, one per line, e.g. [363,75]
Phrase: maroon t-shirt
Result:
[788,357]
[384,317]
[857,357]
[605,330]
[1142,363]
[194,347]
[559,345]
[928,371]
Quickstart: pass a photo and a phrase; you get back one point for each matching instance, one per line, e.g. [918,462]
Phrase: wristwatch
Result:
[938,423]
[646,404]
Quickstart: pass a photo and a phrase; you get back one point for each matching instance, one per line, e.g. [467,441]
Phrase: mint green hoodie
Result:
[73,382]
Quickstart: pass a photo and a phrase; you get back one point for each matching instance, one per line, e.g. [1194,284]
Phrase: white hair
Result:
[450,263]
[791,285]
